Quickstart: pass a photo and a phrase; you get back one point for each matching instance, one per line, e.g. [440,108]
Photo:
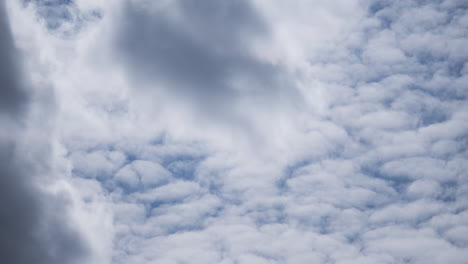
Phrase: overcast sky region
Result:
[233,131]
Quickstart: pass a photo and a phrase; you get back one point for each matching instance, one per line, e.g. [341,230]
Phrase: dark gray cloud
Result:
[199,51]
[12,96]
[34,227]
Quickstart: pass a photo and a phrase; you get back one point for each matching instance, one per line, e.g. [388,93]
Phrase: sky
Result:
[233,131]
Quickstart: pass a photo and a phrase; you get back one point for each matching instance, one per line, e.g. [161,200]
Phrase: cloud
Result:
[258,132]
[370,161]
[13,95]
[34,224]
[201,56]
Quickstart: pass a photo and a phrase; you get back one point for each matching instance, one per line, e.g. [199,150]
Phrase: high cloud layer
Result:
[234,131]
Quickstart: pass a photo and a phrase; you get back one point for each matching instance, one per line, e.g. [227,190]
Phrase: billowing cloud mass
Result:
[234,131]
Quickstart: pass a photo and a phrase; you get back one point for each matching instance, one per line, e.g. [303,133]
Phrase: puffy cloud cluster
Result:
[252,131]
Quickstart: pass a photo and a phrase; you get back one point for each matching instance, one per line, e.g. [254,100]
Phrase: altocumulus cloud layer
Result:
[234,131]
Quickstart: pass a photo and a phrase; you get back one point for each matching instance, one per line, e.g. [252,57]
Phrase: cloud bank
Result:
[237,131]
[34,223]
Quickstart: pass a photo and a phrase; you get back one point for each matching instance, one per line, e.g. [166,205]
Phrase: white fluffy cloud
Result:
[257,131]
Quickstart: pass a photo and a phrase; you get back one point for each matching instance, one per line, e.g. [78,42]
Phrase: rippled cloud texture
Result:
[234,131]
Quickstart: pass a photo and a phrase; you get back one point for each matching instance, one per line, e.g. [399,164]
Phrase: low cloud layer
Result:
[34,227]
[12,95]
[241,131]
[201,56]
